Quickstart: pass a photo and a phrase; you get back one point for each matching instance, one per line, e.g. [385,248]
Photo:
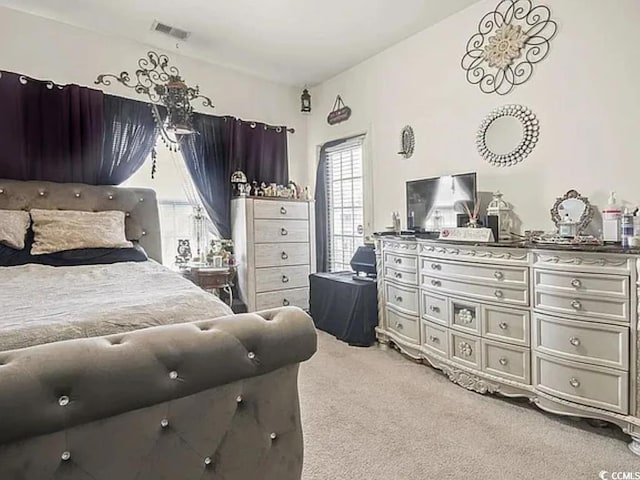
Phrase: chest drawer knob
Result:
[283,211]
[503,326]
[576,304]
[434,309]
[284,255]
[576,283]
[284,232]
[436,283]
[503,361]
[433,339]
[574,382]
[398,298]
[285,279]
[575,341]
[465,349]
[397,275]
[499,275]
[397,260]
[436,266]
[285,303]
[499,294]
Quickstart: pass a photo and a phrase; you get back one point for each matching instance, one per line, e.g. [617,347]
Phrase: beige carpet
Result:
[370,414]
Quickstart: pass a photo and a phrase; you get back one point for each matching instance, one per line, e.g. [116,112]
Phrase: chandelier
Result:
[164,86]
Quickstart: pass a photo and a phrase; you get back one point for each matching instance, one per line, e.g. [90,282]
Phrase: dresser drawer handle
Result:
[283,210]
[575,341]
[503,361]
[436,266]
[433,339]
[284,255]
[284,232]
[498,275]
[576,304]
[574,382]
[399,326]
[398,298]
[575,283]
[434,309]
[503,326]
[436,283]
[285,279]
[397,275]
[499,293]
[397,260]
[285,302]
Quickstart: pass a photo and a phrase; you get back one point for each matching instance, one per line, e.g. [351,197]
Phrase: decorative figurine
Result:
[239,182]
[184,252]
[307,194]
[255,188]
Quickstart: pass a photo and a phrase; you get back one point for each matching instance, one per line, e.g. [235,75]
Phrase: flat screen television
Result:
[434,203]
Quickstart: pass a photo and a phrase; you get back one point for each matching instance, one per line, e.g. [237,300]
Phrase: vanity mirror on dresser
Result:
[557,325]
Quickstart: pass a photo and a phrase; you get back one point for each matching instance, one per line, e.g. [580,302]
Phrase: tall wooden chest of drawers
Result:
[274,246]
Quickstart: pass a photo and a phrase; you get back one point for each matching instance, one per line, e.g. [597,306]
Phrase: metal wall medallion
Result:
[509,42]
[408,142]
[508,135]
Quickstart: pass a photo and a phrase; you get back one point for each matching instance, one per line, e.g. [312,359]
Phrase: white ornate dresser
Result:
[274,242]
[559,327]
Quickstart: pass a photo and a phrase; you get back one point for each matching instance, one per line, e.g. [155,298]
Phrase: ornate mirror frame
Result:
[585,218]
[530,133]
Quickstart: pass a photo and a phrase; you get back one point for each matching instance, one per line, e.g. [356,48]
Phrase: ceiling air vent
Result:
[169,30]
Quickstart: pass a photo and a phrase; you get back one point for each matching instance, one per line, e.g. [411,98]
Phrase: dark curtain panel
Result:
[49,132]
[260,151]
[207,157]
[130,134]
[322,212]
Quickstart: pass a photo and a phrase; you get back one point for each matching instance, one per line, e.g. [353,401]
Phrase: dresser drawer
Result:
[599,309]
[500,294]
[406,263]
[281,254]
[598,387]
[298,297]
[281,278]
[498,275]
[435,308]
[435,338]
[508,361]
[407,278]
[590,342]
[404,299]
[403,325]
[506,325]
[281,231]
[582,284]
[465,349]
[280,209]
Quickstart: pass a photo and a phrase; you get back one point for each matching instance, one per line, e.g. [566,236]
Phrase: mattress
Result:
[42,304]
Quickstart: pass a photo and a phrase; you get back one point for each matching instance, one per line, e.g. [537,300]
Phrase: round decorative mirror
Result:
[507,135]
[572,208]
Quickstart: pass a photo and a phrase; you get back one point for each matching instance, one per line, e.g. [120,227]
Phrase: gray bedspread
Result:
[42,304]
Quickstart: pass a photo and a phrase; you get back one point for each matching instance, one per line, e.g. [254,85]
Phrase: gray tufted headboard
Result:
[139,204]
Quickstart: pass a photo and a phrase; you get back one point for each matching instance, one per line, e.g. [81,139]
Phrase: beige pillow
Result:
[13,228]
[59,230]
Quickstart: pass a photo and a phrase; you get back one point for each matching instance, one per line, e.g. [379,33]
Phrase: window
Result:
[345,202]
[177,199]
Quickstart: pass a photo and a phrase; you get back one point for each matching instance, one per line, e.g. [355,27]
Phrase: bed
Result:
[129,371]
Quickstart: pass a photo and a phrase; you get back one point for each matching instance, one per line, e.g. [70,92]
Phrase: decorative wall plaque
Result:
[408,142]
[340,112]
[509,42]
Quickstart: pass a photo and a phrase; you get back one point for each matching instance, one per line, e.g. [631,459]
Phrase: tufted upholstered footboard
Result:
[214,399]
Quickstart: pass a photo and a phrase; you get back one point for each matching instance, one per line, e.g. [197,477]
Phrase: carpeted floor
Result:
[370,414]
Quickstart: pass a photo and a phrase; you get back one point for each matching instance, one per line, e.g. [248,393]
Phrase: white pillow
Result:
[59,230]
[13,228]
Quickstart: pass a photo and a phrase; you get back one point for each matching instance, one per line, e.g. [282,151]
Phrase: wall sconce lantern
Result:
[305,101]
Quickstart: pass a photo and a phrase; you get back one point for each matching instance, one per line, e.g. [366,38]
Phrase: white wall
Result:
[49,50]
[586,94]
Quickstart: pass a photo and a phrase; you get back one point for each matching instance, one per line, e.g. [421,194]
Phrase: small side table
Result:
[212,278]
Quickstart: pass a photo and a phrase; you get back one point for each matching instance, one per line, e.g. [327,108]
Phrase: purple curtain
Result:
[207,157]
[260,151]
[49,132]
[130,134]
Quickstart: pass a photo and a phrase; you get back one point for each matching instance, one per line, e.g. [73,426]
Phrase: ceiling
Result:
[296,42]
